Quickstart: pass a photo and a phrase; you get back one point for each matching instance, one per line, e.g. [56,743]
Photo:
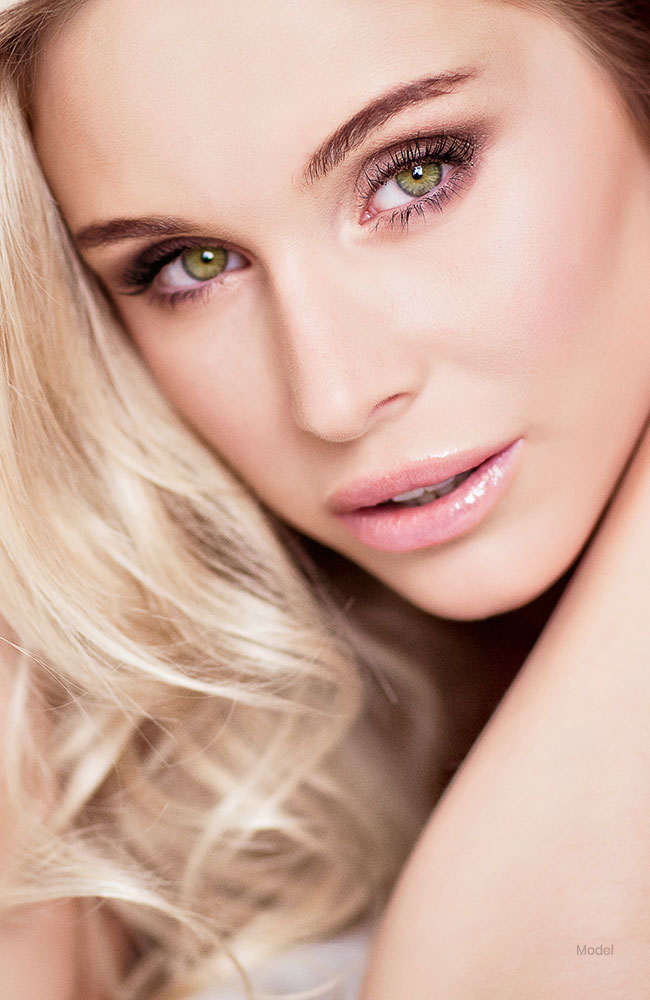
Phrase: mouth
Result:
[426,504]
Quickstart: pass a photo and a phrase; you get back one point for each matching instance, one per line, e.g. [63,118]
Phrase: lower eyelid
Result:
[200,293]
[193,284]
[435,201]
[453,180]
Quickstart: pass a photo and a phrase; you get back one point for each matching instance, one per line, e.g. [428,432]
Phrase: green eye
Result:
[203,263]
[420,178]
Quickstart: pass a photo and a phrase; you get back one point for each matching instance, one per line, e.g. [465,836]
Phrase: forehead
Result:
[139,99]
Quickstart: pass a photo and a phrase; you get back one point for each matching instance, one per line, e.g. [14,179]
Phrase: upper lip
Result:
[368,491]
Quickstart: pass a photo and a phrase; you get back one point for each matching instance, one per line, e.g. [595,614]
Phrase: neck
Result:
[471,664]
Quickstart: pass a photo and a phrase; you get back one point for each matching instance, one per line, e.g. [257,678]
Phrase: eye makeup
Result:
[453,153]
[150,261]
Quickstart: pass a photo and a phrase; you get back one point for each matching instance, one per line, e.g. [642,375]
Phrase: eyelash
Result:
[138,279]
[457,151]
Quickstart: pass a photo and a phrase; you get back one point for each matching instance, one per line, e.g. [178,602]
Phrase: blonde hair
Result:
[192,742]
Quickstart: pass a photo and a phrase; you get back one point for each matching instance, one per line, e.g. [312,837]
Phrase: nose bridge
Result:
[333,345]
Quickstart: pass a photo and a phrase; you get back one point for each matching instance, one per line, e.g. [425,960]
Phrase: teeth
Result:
[408,496]
[414,494]
[424,495]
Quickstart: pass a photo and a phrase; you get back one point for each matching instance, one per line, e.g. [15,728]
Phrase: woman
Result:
[237,689]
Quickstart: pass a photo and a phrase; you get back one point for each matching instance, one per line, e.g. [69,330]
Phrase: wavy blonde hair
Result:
[196,740]
[191,740]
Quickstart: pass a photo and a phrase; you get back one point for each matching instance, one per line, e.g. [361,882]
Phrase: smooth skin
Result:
[336,346]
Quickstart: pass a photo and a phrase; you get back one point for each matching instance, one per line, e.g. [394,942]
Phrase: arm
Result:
[541,843]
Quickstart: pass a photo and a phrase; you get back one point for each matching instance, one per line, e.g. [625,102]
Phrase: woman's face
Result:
[465,268]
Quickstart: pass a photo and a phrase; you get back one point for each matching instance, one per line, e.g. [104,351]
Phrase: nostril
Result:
[386,402]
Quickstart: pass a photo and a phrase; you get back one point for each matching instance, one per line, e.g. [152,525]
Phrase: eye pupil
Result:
[420,178]
[203,263]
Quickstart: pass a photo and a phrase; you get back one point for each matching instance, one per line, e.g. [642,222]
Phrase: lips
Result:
[373,490]
[480,483]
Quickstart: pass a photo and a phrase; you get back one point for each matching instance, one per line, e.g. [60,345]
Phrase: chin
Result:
[474,603]
[482,588]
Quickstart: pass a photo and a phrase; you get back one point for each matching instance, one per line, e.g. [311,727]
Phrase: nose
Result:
[346,362]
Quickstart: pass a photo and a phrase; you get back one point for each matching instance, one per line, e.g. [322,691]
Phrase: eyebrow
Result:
[329,154]
[376,113]
[104,233]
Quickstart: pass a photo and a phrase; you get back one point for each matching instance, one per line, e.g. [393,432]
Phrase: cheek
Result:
[226,389]
[550,278]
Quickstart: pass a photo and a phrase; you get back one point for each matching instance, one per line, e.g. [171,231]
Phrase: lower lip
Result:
[404,529]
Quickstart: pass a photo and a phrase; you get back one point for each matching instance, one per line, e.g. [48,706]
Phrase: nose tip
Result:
[342,417]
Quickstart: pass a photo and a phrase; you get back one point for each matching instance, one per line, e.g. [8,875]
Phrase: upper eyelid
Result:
[382,160]
[372,118]
[476,126]
[181,243]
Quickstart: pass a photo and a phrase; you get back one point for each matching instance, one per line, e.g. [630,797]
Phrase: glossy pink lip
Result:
[370,491]
[404,529]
